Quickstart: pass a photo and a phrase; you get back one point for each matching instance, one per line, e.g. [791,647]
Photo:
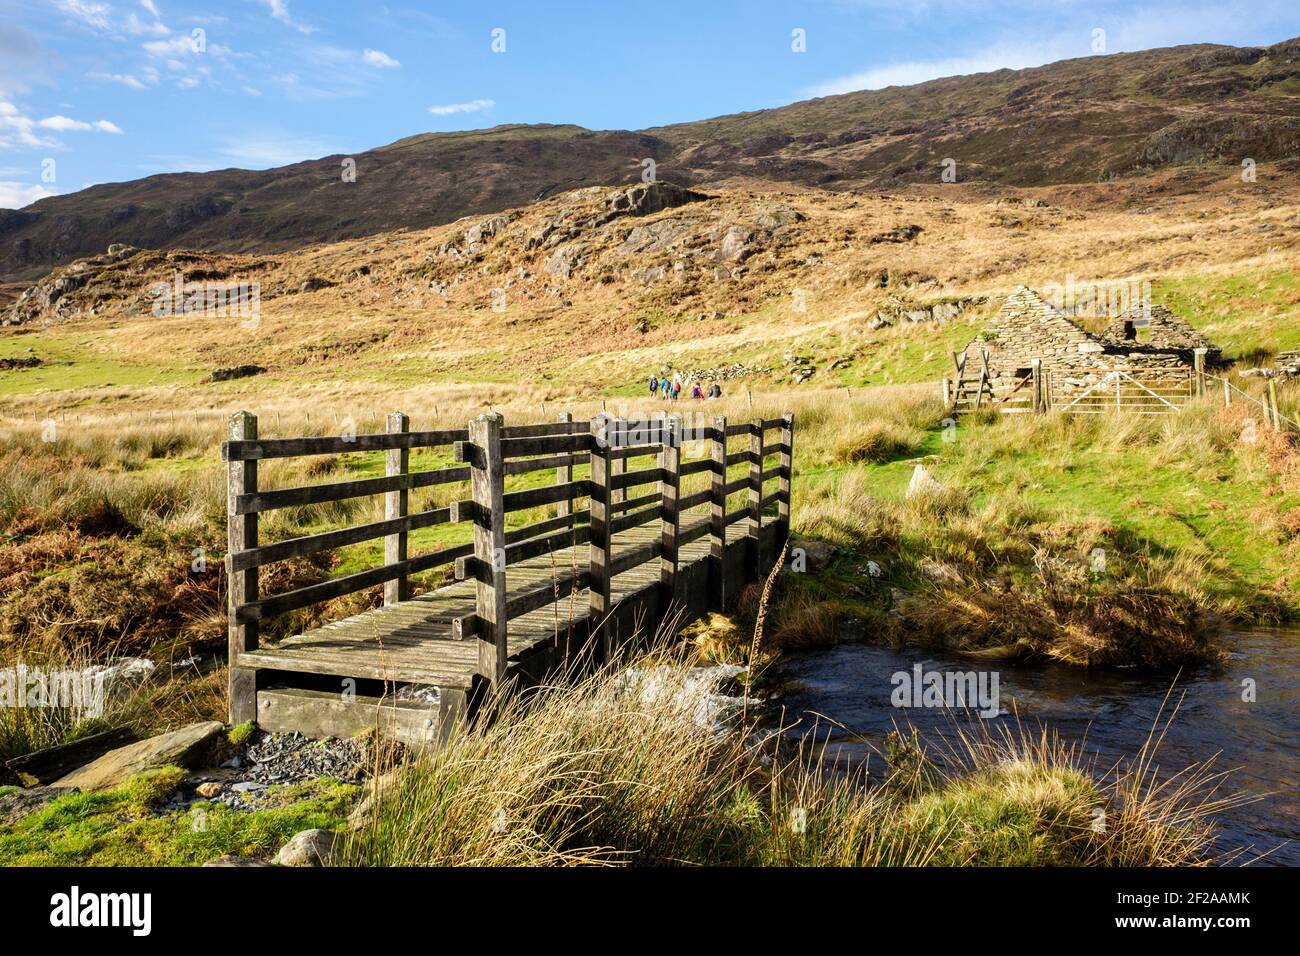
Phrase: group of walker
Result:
[670,389]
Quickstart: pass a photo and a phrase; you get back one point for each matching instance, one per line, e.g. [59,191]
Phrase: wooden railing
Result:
[622,491]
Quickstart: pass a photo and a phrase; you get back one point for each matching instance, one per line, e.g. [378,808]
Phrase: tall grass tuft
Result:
[626,767]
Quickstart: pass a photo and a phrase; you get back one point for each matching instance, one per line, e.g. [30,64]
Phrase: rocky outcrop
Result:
[234,372]
[648,198]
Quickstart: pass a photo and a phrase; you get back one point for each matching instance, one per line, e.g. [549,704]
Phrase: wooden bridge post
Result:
[1036,366]
[756,492]
[601,538]
[787,472]
[241,479]
[487,486]
[947,393]
[617,466]
[718,514]
[397,461]
[1198,366]
[564,476]
[670,459]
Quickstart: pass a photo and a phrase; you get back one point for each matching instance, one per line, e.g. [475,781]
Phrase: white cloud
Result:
[1142,29]
[151,7]
[16,195]
[1008,56]
[90,13]
[134,25]
[65,124]
[379,58]
[22,128]
[176,46]
[142,82]
[279,9]
[473,106]
[261,152]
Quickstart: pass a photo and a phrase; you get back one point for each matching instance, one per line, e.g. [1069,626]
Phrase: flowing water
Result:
[1110,713]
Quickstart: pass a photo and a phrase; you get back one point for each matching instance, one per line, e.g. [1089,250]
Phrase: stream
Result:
[1108,713]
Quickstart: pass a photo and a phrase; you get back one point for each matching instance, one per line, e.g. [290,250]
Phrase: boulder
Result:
[735,244]
[922,482]
[563,261]
[182,748]
[817,554]
[308,848]
[314,283]
[647,198]
[940,573]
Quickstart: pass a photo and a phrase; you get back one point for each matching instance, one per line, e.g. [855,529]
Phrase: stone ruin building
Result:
[1026,327]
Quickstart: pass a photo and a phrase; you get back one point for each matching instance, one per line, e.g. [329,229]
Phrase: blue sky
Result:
[98,91]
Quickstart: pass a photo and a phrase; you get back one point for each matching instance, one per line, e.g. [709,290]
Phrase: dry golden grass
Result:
[619,769]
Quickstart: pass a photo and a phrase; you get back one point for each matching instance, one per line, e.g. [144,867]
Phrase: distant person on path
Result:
[654,385]
[663,388]
[677,388]
[697,393]
[715,390]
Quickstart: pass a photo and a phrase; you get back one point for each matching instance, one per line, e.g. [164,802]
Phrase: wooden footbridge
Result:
[643,520]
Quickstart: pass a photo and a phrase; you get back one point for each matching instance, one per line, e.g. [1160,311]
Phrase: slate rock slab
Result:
[181,748]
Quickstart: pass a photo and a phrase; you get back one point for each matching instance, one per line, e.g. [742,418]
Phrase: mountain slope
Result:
[1068,122]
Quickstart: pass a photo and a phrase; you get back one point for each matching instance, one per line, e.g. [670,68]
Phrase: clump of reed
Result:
[616,770]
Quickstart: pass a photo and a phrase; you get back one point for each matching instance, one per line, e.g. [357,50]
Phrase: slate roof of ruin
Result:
[1167,329]
[1025,315]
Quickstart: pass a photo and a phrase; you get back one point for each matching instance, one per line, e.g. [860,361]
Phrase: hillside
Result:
[579,294]
[1076,121]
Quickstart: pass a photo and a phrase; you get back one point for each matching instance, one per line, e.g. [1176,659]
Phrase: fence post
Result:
[1272,403]
[1198,366]
[601,539]
[718,513]
[787,471]
[617,466]
[1036,365]
[241,479]
[947,390]
[756,491]
[487,485]
[564,476]
[1227,394]
[397,461]
[670,458]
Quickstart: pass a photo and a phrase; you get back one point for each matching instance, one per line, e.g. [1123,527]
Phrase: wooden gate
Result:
[1139,391]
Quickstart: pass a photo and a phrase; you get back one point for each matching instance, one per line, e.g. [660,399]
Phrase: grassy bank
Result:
[620,769]
[111,538]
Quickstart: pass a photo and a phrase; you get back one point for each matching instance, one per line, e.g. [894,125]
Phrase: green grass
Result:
[1249,318]
[125,827]
[68,364]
